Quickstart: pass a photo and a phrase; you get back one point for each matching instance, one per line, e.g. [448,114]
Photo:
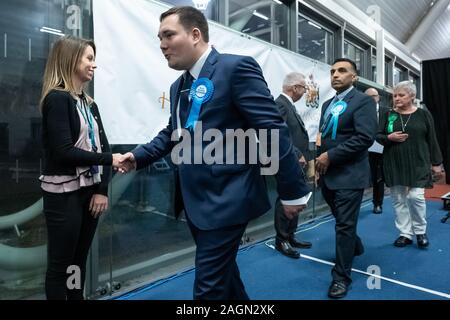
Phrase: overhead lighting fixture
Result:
[52,31]
[260,15]
[201,4]
[314,25]
[278,1]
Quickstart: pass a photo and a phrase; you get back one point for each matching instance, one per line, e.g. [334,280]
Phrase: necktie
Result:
[327,112]
[184,98]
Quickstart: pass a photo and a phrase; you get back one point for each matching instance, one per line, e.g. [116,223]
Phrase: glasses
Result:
[301,86]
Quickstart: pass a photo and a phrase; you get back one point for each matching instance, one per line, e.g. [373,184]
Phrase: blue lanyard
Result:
[87,116]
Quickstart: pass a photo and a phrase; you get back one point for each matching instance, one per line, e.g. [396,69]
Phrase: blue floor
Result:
[410,272]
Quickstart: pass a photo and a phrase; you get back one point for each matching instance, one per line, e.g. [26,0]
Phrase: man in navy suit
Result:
[219,94]
[347,129]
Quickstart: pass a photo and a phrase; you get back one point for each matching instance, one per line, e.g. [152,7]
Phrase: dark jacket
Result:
[220,195]
[60,132]
[348,155]
[296,127]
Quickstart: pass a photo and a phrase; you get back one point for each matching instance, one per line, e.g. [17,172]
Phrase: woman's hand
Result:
[398,136]
[98,205]
[438,172]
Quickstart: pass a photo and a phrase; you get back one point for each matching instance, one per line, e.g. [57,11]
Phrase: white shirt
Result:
[195,72]
[288,97]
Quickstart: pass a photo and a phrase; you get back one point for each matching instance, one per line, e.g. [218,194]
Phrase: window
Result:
[356,54]
[266,20]
[400,74]
[388,71]
[314,40]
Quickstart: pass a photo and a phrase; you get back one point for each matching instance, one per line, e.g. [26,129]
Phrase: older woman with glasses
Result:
[411,156]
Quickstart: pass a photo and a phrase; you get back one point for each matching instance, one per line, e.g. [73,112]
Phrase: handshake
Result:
[124,162]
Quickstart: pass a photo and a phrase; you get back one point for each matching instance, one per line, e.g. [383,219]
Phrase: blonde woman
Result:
[411,155]
[74,180]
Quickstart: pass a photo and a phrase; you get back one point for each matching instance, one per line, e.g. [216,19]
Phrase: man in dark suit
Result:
[376,159]
[347,129]
[226,94]
[294,86]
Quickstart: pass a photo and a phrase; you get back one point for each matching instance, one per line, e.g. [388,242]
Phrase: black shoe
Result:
[377,209]
[285,248]
[300,244]
[337,290]
[402,241]
[422,240]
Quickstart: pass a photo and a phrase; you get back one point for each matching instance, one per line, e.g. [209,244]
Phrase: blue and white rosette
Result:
[201,92]
[336,110]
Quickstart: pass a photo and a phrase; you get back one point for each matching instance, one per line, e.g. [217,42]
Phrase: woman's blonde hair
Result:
[62,63]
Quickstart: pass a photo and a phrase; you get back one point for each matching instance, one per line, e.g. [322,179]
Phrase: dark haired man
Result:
[218,199]
[348,126]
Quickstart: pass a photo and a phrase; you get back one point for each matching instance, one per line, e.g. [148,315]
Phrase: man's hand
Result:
[438,173]
[322,163]
[126,163]
[398,136]
[98,205]
[292,211]
[302,161]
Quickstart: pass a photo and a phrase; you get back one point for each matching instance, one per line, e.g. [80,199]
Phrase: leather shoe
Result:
[285,248]
[300,244]
[422,240]
[337,290]
[377,209]
[402,241]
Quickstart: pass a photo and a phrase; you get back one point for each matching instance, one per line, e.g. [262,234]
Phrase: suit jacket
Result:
[219,195]
[296,127]
[357,127]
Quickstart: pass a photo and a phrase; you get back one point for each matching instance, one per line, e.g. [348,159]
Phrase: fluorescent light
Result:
[260,15]
[278,1]
[314,25]
[52,32]
[201,4]
[51,29]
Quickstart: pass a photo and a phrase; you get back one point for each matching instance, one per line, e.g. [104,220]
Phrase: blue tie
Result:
[328,111]
[184,98]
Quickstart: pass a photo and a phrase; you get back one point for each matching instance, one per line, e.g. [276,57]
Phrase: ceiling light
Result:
[314,25]
[52,31]
[201,4]
[260,15]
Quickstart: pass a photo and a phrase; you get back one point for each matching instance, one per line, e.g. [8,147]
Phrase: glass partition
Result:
[27,30]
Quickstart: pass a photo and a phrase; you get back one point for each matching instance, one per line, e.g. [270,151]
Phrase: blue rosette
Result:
[201,92]
[336,110]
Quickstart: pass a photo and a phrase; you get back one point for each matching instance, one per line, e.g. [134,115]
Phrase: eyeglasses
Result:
[301,86]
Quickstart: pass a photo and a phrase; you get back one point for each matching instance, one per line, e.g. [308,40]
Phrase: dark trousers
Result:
[345,206]
[284,227]
[70,229]
[217,275]
[376,171]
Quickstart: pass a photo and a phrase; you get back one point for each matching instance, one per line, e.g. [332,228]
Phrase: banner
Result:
[133,79]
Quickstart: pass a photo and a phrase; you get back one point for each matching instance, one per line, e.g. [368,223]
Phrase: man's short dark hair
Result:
[349,61]
[189,18]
